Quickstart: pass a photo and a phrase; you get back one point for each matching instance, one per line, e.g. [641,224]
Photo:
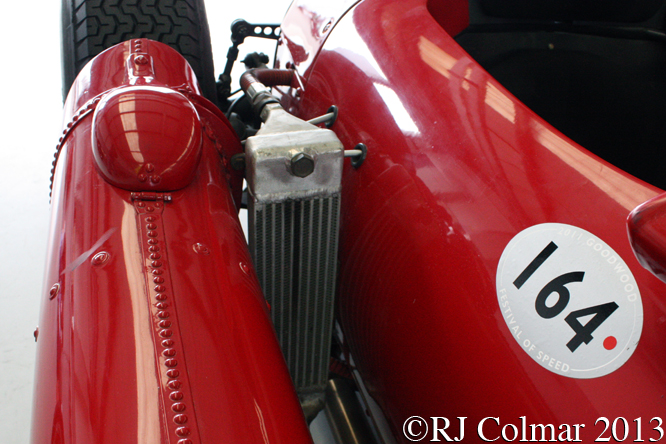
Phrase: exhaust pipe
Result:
[345,414]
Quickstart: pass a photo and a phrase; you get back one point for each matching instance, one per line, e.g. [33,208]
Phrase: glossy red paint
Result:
[452,15]
[456,167]
[153,327]
[304,32]
[647,232]
[146,138]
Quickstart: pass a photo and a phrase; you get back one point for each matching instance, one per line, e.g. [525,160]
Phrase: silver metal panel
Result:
[268,154]
[293,233]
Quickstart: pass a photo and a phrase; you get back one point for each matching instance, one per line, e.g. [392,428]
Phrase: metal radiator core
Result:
[294,173]
[295,254]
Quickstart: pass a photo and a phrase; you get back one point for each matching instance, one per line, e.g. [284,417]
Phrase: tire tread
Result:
[99,24]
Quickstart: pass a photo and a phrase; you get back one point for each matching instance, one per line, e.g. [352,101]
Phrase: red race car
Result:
[456,230]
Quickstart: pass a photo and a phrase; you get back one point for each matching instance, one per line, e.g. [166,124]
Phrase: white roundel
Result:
[569,300]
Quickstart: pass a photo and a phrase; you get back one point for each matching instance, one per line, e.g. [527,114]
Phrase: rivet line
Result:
[174,381]
[78,116]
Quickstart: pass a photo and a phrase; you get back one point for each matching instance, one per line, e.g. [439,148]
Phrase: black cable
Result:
[233,104]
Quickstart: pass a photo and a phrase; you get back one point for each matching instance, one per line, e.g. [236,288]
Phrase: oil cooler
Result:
[294,170]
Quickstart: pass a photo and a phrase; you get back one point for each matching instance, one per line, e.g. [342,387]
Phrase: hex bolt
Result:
[302,165]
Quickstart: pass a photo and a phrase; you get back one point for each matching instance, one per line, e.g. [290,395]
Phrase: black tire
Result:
[91,26]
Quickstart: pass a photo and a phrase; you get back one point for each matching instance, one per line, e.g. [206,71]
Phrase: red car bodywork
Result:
[153,327]
[456,168]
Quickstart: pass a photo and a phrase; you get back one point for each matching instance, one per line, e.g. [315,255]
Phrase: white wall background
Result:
[30,125]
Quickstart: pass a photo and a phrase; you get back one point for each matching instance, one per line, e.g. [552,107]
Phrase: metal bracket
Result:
[150,196]
[290,159]
[240,29]
[330,117]
[262,30]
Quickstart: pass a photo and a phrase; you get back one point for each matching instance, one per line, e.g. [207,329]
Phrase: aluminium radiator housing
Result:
[294,172]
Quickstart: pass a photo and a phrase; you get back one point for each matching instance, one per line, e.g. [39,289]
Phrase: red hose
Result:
[266,76]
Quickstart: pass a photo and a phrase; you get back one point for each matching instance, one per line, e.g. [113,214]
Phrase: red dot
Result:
[610,343]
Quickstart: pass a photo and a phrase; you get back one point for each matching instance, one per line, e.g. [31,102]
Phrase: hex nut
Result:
[302,165]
